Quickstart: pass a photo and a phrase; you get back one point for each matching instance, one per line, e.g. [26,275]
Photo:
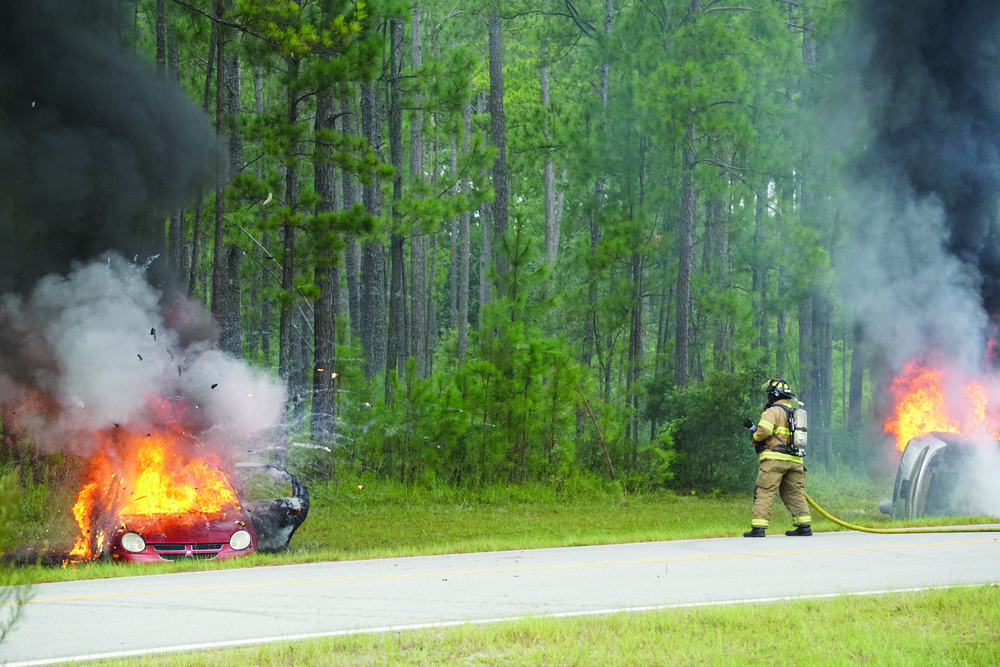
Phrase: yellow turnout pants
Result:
[787,478]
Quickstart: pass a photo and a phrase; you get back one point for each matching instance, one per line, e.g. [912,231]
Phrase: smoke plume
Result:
[92,349]
[925,270]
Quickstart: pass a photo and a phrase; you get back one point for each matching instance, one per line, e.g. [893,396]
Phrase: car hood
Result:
[193,527]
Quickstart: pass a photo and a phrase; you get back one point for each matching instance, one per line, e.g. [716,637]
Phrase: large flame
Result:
[931,399]
[160,473]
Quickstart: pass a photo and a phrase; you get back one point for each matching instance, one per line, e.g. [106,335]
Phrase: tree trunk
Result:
[590,325]
[499,134]
[804,381]
[760,280]
[159,226]
[327,278]
[549,175]
[218,252]
[634,369]
[196,232]
[464,251]
[700,315]
[823,395]
[265,314]
[396,349]
[352,255]
[857,379]
[432,321]
[161,38]
[486,225]
[300,362]
[175,245]
[418,260]
[231,338]
[256,323]
[453,250]
[288,231]
[724,327]
[373,301]
[685,251]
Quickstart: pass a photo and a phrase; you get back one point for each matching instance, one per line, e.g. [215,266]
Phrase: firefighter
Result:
[781,469]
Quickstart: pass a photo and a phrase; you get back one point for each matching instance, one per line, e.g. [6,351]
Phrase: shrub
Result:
[712,452]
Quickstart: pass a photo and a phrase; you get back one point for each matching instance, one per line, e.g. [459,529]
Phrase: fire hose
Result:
[929,529]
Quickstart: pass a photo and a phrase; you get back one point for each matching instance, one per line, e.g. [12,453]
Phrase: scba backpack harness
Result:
[798,424]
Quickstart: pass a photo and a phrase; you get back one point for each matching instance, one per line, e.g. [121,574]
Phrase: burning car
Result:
[940,472]
[933,478]
[155,496]
[946,474]
[160,495]
[150,425]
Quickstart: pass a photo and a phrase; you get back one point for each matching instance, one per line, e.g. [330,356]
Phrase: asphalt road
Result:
[135,615]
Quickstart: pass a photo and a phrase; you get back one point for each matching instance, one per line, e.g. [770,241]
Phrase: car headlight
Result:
[133,542]
[240,540]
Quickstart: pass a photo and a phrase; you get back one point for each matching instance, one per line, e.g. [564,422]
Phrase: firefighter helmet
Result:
[777,388]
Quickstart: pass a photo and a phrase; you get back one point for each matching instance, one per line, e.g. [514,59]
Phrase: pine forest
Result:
[529,241]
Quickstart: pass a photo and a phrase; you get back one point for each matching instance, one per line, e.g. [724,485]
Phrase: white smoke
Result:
[978,493]
[913,295]
[98,322]
[97,344]
[239,400]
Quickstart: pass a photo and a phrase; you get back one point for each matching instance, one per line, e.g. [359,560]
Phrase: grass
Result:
[959,626]
[368,518]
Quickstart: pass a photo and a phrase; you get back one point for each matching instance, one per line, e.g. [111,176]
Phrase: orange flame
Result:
[921,405]
[160,473]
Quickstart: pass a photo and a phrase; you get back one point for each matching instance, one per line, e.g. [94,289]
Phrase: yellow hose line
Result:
[948,529]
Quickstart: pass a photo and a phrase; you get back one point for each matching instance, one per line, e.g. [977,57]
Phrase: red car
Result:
[179,537]
[265,525]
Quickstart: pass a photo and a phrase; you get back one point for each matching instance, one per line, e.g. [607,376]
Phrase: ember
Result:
[927,399]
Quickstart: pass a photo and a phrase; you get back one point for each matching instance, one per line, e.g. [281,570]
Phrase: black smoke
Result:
[93,145]
[925,269]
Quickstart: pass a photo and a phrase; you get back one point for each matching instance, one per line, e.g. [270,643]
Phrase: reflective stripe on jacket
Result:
[775,432]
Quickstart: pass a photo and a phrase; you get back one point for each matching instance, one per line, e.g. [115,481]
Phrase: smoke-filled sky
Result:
[925,270]
[93,145]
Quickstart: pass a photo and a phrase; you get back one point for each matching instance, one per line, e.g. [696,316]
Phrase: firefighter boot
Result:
[756,531]
[801,530]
